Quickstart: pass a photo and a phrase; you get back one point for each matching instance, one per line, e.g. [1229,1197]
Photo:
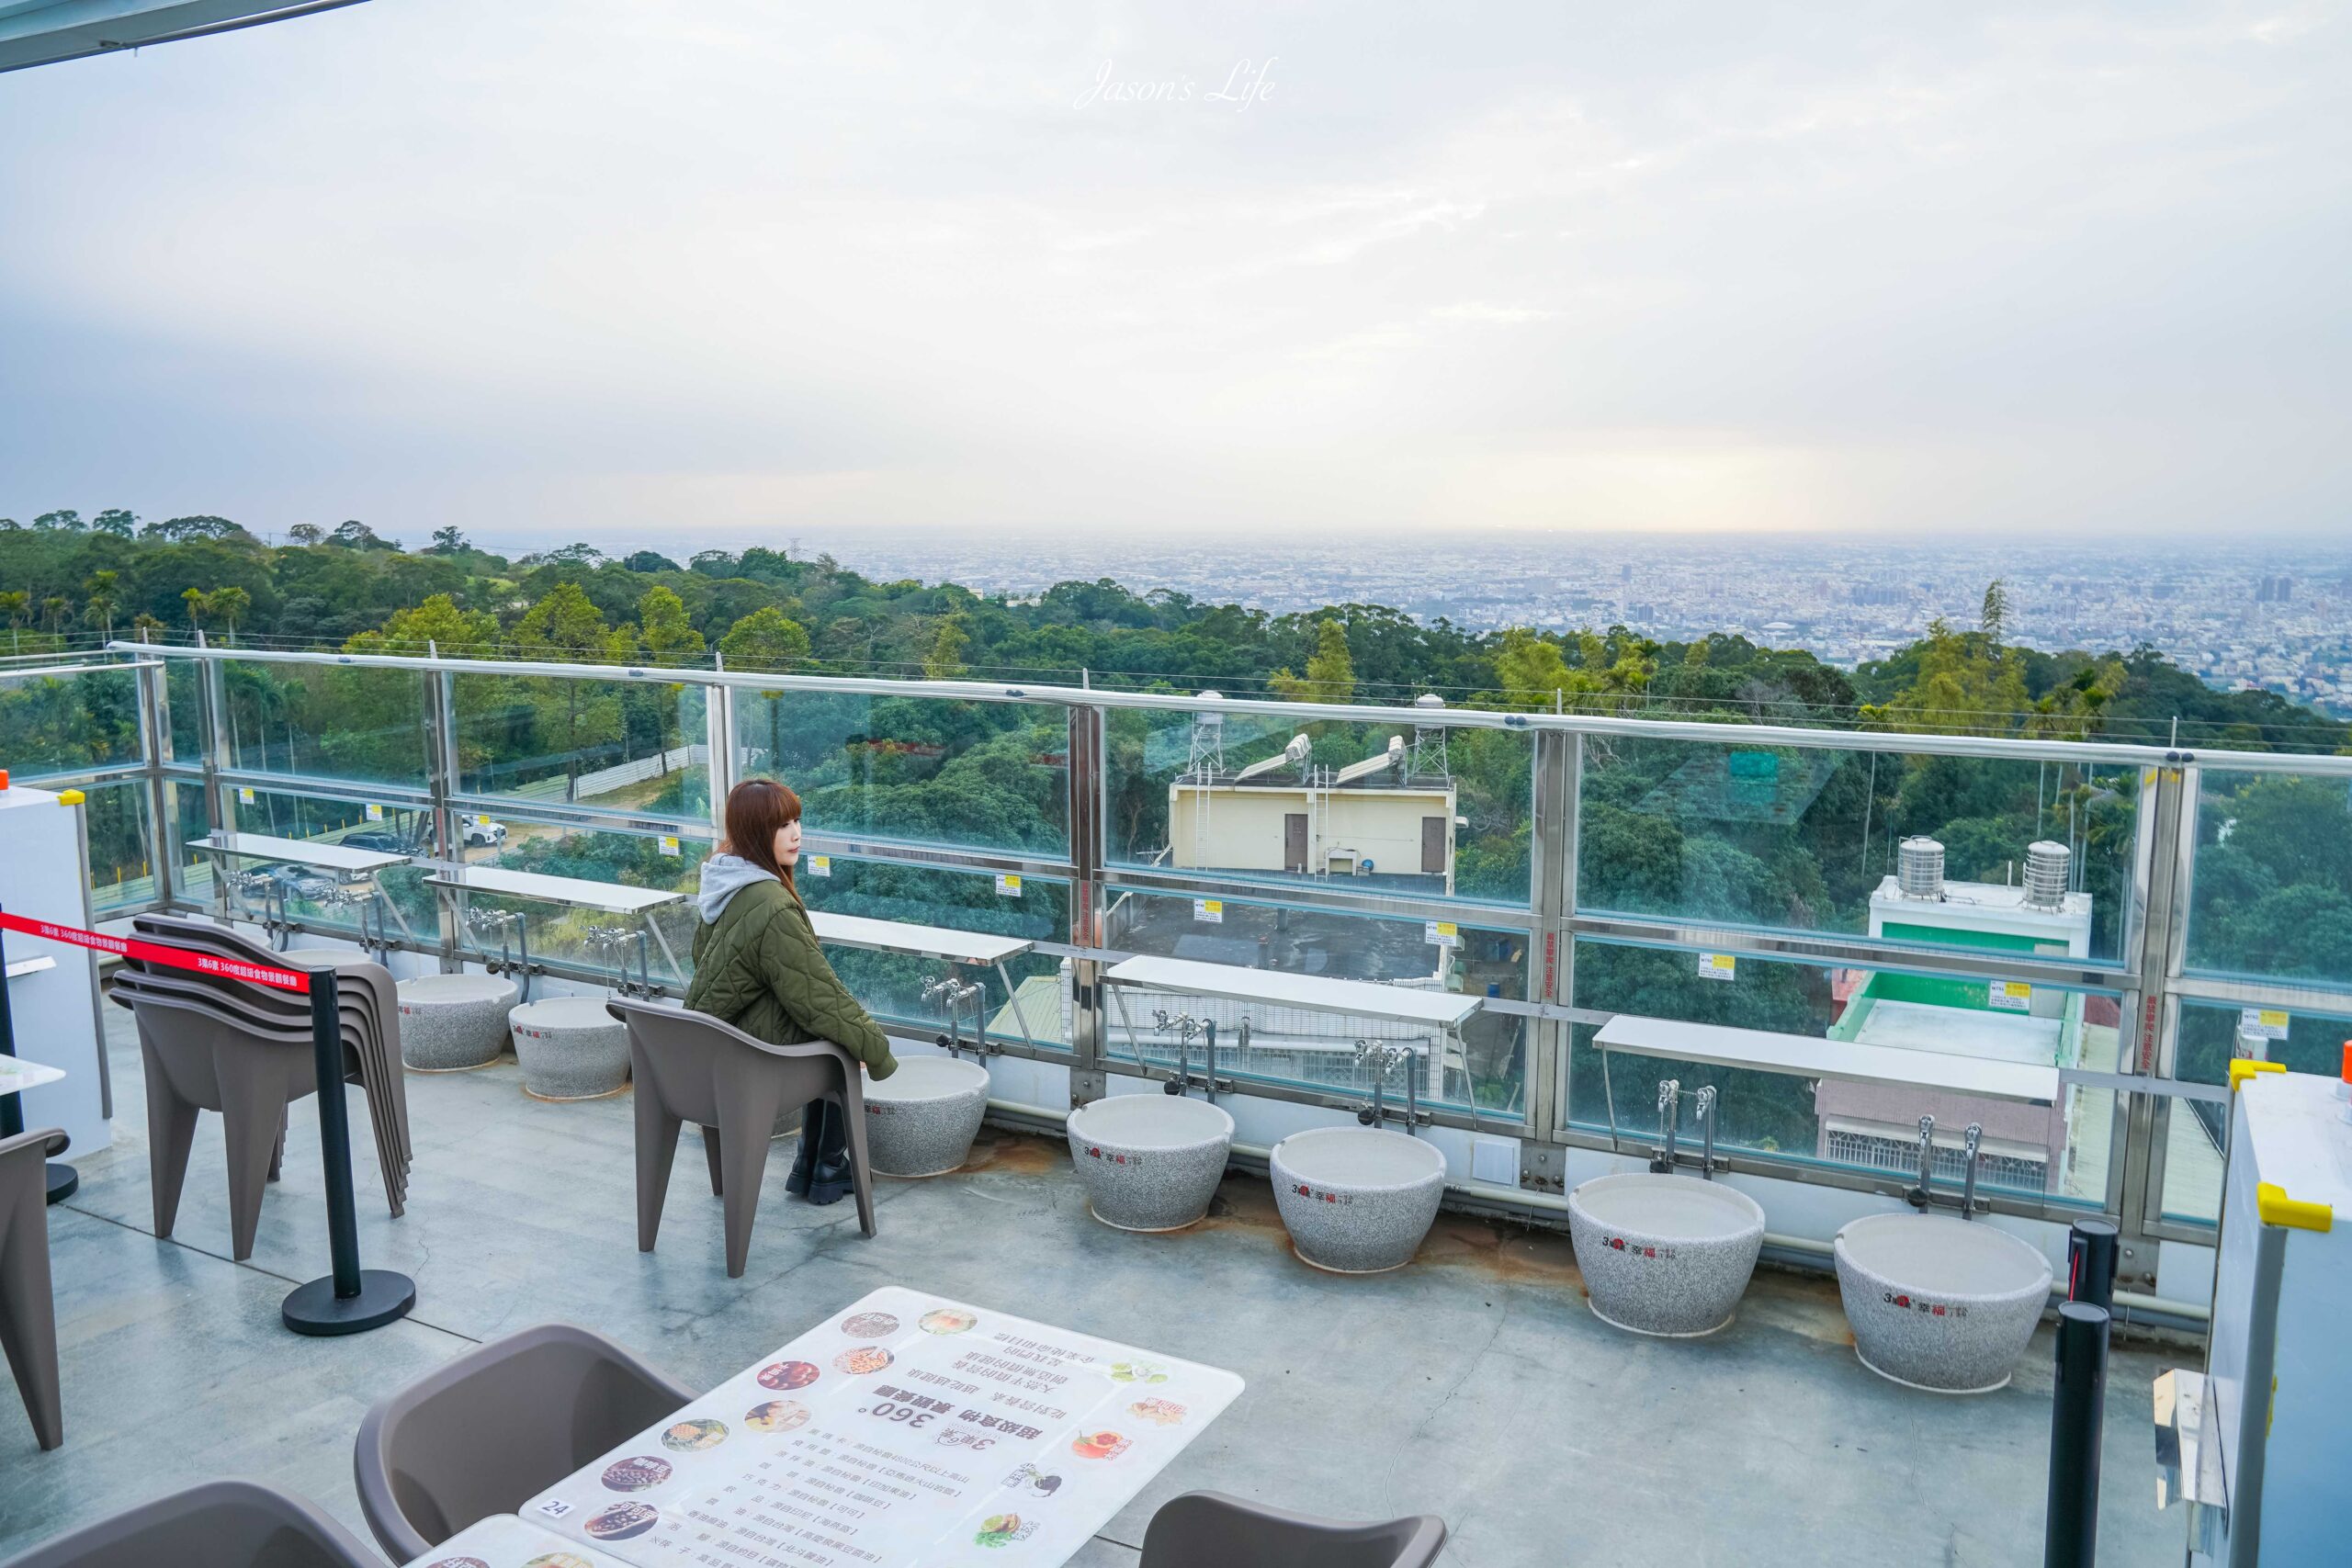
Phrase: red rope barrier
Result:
[157,952]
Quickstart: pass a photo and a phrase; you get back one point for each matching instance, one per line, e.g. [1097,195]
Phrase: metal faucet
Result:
[1383,1057]
[505,922]
[1968,1187]
[953,993]
[1923,1197]
[1669,1113]
[1185,1026]
[1707,1133]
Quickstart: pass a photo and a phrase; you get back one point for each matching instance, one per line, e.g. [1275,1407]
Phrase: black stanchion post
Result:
[2091,1261]
[2069,1538]
[351,1300]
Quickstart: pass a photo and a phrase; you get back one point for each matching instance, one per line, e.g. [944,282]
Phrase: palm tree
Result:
[199,604]
[55,612]
[231,604]
[103,597]
[17,606]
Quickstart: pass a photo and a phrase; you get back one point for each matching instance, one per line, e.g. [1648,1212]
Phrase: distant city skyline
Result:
[550,268]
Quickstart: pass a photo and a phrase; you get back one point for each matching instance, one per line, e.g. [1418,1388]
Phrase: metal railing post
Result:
[2150,1015]
[215,731]
[155,749]
[442,783]
[1086,785]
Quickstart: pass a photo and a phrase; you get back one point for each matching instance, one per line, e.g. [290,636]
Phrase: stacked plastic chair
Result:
[210,1043]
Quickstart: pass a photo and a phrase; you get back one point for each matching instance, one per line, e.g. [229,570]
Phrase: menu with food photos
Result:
[905,1431]
[505,1541]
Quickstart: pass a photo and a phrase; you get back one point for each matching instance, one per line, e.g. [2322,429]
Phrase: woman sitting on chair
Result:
[757,965]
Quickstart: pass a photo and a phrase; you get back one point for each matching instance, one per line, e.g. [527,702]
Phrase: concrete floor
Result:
[1475,1384]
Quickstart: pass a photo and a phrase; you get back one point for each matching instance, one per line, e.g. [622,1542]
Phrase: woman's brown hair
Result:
[757,810]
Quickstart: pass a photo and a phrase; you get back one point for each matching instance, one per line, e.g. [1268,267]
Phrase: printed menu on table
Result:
[905,1431]
[505,1541]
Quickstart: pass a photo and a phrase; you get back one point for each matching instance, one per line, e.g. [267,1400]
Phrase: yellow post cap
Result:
[70,797]
[2245,1068]
[2270,1200]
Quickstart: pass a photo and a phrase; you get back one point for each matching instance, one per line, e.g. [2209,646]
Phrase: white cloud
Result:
[581,268]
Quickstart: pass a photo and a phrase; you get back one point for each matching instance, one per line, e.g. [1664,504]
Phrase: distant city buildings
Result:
[2279,619]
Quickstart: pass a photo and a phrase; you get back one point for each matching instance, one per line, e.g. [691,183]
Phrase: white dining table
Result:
[907,1430]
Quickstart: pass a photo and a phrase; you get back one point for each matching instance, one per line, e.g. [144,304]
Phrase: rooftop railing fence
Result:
[1568,867]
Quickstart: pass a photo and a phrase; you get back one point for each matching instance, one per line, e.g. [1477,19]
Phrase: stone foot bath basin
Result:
[449,1022]
[920,1120]
[1665,1255]
[1149,1162]
[1356,1199]
[570,1048]
[1939,1303]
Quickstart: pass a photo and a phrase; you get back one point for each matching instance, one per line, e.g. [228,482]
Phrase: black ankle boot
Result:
[804,1157]
[829,1175]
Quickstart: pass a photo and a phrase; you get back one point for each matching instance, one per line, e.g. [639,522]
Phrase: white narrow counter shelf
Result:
[1803,1056]
[30,966]
[56,669]
[917,941]
[1315,993]
[17,1075]
[314,852]
[609,896]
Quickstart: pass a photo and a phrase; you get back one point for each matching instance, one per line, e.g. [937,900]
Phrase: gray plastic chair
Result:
[691,1067]
[222,1524]
[1209,1529]
[28,1311]
[485,1432]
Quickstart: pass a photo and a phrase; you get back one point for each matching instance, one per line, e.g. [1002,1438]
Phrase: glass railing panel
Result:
[2058,1151]
[2271,890]
[1428,810]
[53,727]
[1485,1069]
[970,775]
[1802,838]
[602,940]
[2195,1132]
[184,697]
[905,990]
[640,746]
[121,818]
[324,721]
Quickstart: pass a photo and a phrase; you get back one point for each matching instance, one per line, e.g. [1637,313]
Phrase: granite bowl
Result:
[450,1022]
[1149,1162]
[1356,1199]
[570,1048]
[1939,1303]
[1664,1255]
[920,1120]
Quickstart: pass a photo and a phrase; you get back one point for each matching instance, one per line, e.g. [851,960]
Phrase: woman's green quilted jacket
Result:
[759,968]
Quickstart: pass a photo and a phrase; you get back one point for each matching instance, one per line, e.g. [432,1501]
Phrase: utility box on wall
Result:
[53,989]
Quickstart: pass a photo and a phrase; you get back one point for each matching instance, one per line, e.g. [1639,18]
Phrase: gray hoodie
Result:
[723,876]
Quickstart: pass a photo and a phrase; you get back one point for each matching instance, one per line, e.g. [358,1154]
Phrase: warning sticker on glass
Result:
[820,865]
[2265,1024]
[1444,933]
[1209,911]
[2012,995]
[1008,885]
[244,797]
[1718,967]
[375,812]
[669,845]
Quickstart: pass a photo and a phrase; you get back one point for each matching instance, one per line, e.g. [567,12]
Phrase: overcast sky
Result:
[645,271]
